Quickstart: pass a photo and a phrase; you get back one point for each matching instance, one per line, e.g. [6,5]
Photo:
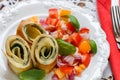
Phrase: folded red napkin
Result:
[103,7]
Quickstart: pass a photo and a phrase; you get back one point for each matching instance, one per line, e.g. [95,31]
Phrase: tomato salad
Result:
[75,46]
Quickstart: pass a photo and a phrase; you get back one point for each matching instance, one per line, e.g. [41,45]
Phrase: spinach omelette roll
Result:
[29,30]
[18,54]
[44,52]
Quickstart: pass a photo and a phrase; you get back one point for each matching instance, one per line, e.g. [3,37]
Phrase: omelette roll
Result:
[44,52]
[18,54]
[29,30]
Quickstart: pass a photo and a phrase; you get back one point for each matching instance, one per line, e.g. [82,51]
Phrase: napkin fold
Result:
[104,14]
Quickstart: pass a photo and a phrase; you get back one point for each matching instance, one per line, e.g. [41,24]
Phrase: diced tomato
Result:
[84,47]
[53,13]
[50,28]
[75,39]
[48,20]
[60,31]
[70,27]
[66,69]
[51,21]
[86,59]
[54,22]
[58,24]
[69,40]
[84,30]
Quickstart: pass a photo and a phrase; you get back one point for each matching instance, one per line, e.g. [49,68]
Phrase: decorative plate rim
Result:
[6,19]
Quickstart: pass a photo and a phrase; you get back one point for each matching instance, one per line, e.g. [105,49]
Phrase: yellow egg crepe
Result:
[18,54]
[44,52]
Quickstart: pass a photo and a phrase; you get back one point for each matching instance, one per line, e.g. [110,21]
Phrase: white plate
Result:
[40,8]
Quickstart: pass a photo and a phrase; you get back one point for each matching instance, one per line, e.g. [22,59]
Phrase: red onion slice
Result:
[55,77]
[69,60]
[71,76]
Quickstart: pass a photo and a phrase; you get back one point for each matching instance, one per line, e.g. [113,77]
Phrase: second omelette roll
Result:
[18,54]
[29,30]
[44,52]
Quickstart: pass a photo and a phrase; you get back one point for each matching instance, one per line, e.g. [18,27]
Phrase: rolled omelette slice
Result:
[18,54]
[44,52]
[29,30]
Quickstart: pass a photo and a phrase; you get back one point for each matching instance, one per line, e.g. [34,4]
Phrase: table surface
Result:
[89,7]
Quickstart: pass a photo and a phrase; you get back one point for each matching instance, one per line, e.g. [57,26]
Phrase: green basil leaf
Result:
[74,21]
[65,48]
[93,46]
[33,74]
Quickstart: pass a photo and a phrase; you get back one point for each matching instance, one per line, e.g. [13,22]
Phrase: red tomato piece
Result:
[53,13]
[70,27]
[59,30]
[84,30]
[86,59]
[66,69]
[60,33]
[50,28]
[54,22]
[48,20]
[75,39]
[51,21]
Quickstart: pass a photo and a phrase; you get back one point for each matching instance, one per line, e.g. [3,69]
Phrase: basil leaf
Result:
[74,21]
[33,74]
[65,48]
[93,46]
